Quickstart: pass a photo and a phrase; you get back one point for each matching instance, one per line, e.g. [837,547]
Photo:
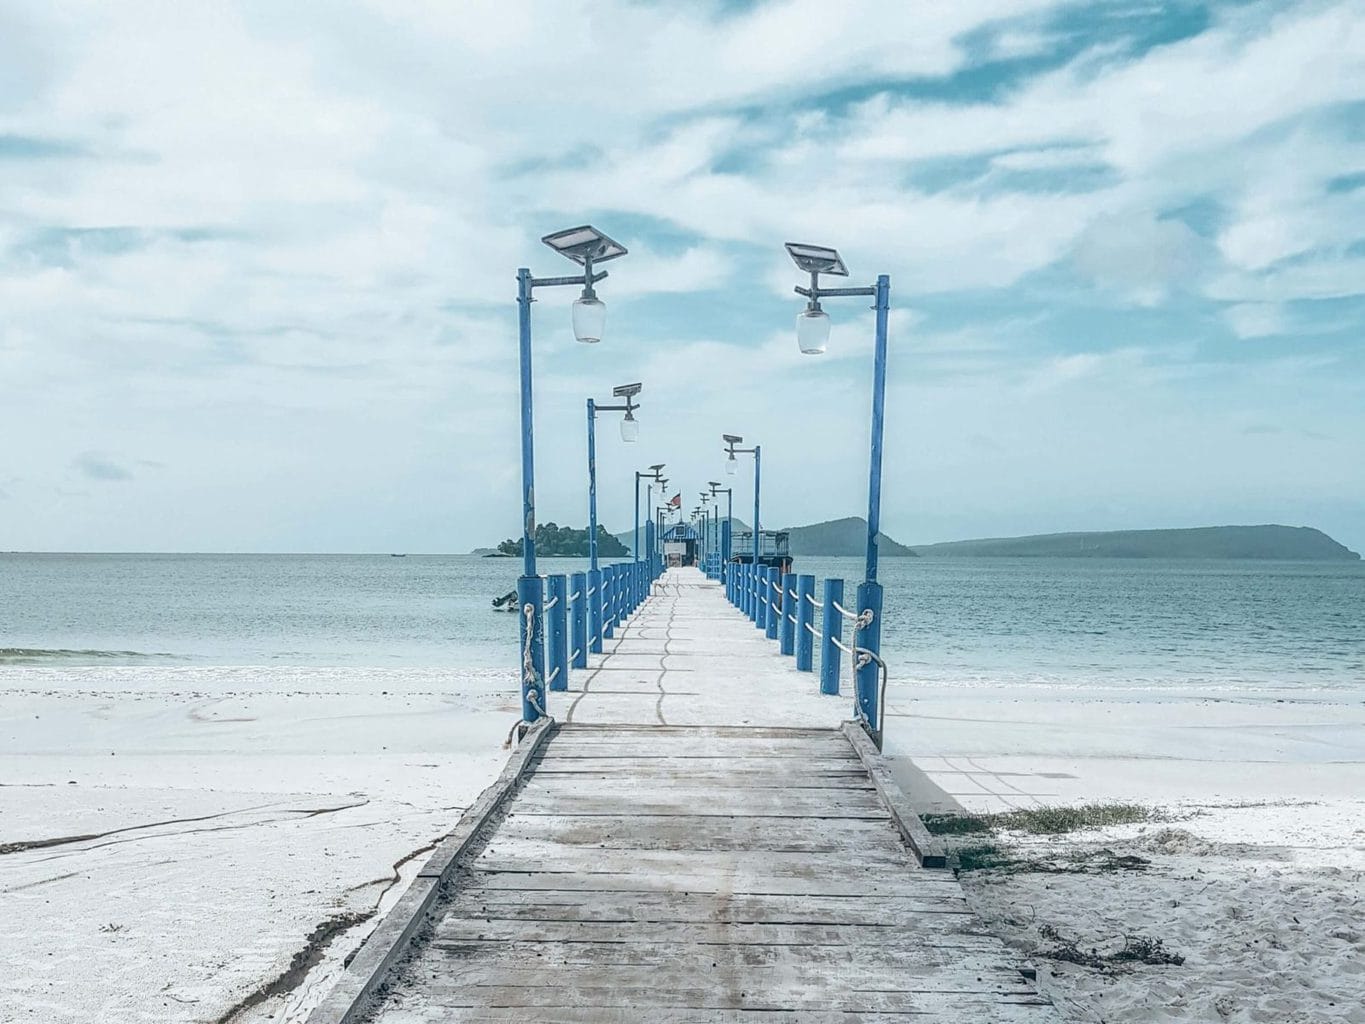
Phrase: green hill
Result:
[1265,542]
[841,537]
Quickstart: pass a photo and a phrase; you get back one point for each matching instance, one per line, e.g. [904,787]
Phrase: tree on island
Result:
[552,540]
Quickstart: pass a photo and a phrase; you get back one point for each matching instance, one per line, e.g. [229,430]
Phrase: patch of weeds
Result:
[1053,821]
[955,824]
[1137,949]
[981,857]
[1049,821]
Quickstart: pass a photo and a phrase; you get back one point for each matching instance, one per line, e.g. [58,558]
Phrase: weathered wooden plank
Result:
[871,884]
[542,797]
[695,908]
[784,978]
[681,778]
[968,1010]
[728,993]
[505,853]
[848,765]
[694,832]
[955,930]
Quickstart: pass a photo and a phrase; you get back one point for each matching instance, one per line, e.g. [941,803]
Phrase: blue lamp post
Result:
[586,246]
[652,475]
[732,467]
[812,334]
[630,432]
[723,532]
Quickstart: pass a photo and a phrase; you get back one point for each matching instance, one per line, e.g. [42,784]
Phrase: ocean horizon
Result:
[1058,622]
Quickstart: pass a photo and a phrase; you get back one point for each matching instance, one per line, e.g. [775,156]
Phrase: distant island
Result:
[847,537]
[837,538]
[1291,543]
[553,541]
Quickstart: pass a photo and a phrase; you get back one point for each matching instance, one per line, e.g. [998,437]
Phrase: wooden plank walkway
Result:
[664,873]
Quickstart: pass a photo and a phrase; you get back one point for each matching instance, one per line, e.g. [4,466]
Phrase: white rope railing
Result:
[814,603]
[553,676]
[551,603]
[813,631]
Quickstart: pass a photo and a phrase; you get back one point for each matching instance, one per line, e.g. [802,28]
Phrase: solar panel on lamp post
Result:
[812,333]
[585,246]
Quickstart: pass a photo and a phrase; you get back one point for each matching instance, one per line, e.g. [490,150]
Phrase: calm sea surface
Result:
[1059,622]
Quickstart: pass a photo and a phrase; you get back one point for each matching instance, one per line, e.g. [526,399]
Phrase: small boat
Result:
[391,555]
[506,603]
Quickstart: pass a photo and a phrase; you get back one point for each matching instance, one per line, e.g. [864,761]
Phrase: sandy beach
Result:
[209,844]
[1251,869]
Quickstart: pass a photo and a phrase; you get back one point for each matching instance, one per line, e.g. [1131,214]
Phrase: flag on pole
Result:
[675,501]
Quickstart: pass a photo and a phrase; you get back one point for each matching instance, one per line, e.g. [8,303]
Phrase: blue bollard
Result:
[805,622]
[608,597]
[786,626]
[531,653]
[557,629]
[593,597]
[832,628]
[867,678]
[578,616]
[760,597]
[772,590]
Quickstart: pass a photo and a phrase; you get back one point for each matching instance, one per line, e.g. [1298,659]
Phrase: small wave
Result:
[38,655]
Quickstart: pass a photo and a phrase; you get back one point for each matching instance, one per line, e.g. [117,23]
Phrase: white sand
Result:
[1258,882]
[254,804]
[311,784]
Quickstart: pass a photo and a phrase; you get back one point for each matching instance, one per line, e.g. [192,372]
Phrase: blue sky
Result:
[257,263]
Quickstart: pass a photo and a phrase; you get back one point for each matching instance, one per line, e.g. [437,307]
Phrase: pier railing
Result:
[785,607]
[582,609]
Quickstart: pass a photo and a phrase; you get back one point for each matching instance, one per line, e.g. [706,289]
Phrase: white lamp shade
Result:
[630,429]
[812,331]
[589,318]
[731,466]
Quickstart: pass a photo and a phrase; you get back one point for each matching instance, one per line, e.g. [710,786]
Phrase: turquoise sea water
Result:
[1062,622]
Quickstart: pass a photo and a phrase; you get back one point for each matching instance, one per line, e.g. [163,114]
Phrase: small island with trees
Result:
[554,541]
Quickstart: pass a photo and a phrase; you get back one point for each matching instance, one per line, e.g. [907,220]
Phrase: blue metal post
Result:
[760,597]
[874,481]
[805,622]
[529,591]
[557,618]
[869,636]
[608,602]
[635,544]
[867,676]
[578,613]
[758,460]
[772,588]
[832,626]
[786,627]
[595,580]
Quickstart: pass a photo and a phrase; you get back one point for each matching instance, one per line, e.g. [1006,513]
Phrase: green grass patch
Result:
[1048,821]
[981,857]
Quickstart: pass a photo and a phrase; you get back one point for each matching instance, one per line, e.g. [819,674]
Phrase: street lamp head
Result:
[584,245]
[656,467]
[817,259]
[731,466]
[630,428]
[812,323]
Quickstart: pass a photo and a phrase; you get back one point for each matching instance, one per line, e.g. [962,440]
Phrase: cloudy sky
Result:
[257,263]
